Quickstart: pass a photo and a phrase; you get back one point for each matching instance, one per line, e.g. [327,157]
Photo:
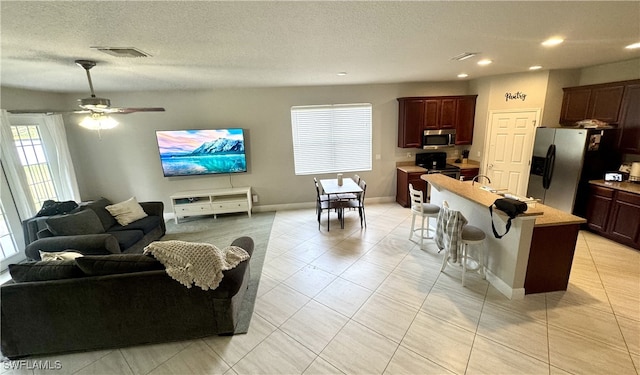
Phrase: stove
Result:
[436,162]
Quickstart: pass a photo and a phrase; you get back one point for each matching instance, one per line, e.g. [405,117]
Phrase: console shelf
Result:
[211,202]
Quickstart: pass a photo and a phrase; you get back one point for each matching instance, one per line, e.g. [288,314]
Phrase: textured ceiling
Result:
[206,44]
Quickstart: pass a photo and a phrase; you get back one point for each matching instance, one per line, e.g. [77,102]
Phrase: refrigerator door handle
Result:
[548,166]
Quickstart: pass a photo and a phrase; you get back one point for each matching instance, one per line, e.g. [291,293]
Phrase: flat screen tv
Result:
[201,152]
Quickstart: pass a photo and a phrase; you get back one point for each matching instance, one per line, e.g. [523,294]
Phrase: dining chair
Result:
[359,203]
[424,211]
[324,203]
[455,235]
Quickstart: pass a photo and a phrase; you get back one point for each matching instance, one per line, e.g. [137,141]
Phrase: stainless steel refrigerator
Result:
[563,162]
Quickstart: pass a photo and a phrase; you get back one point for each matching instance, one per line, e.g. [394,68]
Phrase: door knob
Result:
[490,166]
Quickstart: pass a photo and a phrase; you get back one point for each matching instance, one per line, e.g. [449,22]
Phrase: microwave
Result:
[434,139]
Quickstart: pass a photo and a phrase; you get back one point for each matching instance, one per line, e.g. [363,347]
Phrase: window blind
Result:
[331,138]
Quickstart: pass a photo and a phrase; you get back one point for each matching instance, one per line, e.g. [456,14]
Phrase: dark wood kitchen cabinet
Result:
[411,122]
[629,141]
[417,114]
[405,178]
[600,102]
[614,214]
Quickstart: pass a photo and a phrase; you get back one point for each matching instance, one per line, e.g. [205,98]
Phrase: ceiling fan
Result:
[103,105]
[93,105]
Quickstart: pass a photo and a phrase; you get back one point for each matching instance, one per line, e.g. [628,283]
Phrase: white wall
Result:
[620,71]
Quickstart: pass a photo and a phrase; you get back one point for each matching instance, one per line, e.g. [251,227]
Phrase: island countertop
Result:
[545,215]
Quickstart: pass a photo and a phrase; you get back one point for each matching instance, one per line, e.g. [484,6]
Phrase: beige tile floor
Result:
[370,301]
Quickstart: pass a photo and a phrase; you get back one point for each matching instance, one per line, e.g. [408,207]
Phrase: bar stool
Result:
[453,232]
[424,210]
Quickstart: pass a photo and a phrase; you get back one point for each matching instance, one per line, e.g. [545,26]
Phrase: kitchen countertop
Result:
[470,164]
[411,169]
[629,187]
[545,215]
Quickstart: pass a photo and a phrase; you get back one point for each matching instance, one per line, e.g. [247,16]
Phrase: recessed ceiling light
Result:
[535,67]
[484,62]
[633,46]
[342,74]
[552,42]
[463,75]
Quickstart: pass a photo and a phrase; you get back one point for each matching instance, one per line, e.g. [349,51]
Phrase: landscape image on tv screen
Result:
[199,152]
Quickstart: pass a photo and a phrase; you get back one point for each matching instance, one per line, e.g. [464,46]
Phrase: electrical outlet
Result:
[455,152]
[478,153]
[255,198]
[409,155]
[378,156]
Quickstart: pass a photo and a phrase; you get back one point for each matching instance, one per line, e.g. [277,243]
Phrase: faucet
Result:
[476,179]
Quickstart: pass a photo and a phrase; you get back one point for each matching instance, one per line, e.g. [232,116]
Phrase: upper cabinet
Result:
[615,103]
[417,114]
[601,102]
[630,120]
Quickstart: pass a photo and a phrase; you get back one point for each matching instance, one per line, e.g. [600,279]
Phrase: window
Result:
[33,158]
[331,138]
[7,244]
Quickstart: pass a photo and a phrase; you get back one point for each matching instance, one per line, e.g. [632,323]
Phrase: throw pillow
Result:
[61,255]
[98,206]
[43,271]
[82,222]
[97,265]
[127,212]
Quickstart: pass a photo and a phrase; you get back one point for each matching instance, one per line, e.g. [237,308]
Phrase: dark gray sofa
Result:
[112,238]
[116,310]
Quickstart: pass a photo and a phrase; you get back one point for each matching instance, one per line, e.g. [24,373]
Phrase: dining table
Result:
[331,188]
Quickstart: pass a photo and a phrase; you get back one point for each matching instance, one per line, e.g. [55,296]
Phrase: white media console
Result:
[211,201]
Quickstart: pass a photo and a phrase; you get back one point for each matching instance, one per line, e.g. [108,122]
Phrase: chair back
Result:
[416,199]
[363,186]
[357,179]
[315,180]
[449,227]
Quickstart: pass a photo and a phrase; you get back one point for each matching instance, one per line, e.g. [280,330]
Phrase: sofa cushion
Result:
[127,238]
[82,222]
[127,212]
[146,225]
[45,270]
[98,206]
[97,265]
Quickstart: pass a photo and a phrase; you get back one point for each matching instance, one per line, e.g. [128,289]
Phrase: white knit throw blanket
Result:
[199,263]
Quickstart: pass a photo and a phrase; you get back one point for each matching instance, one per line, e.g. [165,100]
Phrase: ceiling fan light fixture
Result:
[98,121]
[94,103]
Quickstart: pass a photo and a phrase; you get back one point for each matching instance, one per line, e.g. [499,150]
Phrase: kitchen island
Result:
[534,257]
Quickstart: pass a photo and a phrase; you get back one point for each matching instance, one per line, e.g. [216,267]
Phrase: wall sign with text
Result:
[514,96]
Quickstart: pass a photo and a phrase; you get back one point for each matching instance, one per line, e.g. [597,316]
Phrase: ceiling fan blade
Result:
[44,111]
[125,111]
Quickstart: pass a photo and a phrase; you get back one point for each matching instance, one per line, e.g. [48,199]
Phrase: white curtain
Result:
[13,168]
[66,184]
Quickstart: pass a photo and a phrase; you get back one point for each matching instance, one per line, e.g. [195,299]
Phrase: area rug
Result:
[221,232]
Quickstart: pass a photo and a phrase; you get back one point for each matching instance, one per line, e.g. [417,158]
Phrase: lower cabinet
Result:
[615,214]
[402,189]
[467,174]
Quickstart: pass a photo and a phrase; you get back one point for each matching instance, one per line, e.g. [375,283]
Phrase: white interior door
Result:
[510,143]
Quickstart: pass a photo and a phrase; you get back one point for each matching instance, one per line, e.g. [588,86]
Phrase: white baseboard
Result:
[505,289]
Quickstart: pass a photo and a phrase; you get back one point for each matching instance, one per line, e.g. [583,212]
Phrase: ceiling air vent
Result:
[122,51]
[464,56]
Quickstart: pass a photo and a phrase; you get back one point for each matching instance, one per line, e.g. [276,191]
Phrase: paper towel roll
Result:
[339,179]
[634,175]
